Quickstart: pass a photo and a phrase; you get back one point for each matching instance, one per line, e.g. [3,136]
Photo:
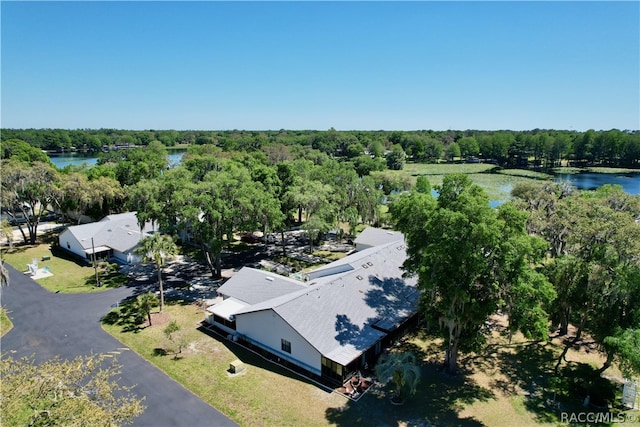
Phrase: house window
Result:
[334,368]
[286,345]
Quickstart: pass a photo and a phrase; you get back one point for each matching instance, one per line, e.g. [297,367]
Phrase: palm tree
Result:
[157,248]
[401,369]
[145,302]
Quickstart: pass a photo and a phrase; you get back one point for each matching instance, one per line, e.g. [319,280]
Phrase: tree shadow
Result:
[527,370]
[126,316]
[580,380]
[393,301]
[159,351]
[107,279]
[347,332]
[438,401]
[18,248]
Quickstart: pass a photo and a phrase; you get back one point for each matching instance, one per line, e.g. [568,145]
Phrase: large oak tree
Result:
[457,247]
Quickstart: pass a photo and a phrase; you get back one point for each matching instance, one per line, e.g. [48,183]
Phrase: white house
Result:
[113,237]
[330,326]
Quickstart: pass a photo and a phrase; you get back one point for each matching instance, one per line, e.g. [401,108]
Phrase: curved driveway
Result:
[47,324]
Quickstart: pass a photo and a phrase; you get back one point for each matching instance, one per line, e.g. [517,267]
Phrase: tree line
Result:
[538,147]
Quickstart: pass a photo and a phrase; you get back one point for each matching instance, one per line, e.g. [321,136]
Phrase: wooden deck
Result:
[355,387]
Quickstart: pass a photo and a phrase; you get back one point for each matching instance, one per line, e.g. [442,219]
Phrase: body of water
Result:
[78,159]
[630,183]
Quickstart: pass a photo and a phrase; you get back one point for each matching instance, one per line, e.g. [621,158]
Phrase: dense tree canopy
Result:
[28,191]
[470,261]
[594,243]
[508,148]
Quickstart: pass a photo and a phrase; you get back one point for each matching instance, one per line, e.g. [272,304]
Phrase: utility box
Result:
[236,366]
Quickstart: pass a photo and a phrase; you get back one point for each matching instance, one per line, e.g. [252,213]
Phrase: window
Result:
[331,366]
[286,345]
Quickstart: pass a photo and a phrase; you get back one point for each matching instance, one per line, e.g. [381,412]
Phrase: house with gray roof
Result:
[330,326]
[113,237]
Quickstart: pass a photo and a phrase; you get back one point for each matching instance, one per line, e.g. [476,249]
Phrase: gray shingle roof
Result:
[371,236]
[256,286]
[120,232]
[337,314]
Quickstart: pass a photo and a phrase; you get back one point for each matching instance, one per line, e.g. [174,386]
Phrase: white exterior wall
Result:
[73,244]
[210,320]
[127,257]
[266,329]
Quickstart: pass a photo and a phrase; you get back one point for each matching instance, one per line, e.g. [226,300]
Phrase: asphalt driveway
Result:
[48,324]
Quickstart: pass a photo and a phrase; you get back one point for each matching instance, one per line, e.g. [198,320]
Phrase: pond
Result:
[78,159]
[630,182]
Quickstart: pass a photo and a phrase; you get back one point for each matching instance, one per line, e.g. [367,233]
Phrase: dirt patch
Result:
[158,319]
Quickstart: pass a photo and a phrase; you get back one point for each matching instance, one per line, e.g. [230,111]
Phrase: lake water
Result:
[77,159]
[630,183]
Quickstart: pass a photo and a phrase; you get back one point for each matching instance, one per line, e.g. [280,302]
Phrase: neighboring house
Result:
[113,237]
[331,326]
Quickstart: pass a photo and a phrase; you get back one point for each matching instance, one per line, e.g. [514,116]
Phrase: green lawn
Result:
[594,169]
[69,276]
[495,392]
[5,323]
[330,256]
[263,395]
[446,168]
[495,181]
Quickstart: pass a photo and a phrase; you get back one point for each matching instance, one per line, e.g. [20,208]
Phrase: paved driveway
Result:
[48,324]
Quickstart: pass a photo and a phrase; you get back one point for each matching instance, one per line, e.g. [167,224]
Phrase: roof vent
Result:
[359,277]
[369,263]
[390,233]
[271,279]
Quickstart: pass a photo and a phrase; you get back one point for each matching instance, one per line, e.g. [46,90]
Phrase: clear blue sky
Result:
[316,65]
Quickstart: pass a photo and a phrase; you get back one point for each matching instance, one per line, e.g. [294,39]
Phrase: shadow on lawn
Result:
[126,316]
[527,370]
[107,279]
[438,401]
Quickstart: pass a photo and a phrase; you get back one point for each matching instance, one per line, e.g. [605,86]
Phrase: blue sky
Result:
[316,65]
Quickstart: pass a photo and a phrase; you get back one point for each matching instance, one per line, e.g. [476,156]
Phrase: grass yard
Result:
[496,182]
[263,395]
[5,323]
[416,169]
[503,387]
[68,275]
[330,256]
[595,169]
